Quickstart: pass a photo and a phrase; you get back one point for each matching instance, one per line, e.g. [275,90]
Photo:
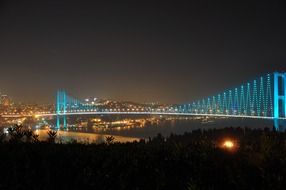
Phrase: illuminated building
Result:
[5,101]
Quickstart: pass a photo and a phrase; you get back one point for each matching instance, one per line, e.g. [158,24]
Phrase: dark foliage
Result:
[19,134]
[109,139]
[190,161]
[52,136]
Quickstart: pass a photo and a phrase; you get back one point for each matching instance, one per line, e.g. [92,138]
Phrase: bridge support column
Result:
[284,94]
[58,122]
[61,106]
[58,110]
[279,80]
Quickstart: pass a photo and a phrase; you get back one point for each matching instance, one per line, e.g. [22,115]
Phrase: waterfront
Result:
[70,136]
[130,128]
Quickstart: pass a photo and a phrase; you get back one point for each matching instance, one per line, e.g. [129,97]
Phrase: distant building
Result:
[5,100]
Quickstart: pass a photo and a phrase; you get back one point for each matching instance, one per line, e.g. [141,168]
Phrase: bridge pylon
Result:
[61,107]
[279,80]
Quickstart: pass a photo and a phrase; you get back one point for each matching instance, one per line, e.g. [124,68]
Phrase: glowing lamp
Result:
[228,144]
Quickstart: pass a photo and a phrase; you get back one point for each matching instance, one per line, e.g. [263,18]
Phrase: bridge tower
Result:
[279,99]
[61,107]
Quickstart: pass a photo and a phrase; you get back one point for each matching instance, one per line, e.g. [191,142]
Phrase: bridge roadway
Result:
[142,113]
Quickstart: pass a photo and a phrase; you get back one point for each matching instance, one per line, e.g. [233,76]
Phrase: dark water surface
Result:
[87,128]
[165,125]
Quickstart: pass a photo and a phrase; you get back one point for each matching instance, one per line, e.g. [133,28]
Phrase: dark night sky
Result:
[167,51]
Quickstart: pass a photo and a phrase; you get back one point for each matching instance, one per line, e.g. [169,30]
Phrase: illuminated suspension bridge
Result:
[261,98]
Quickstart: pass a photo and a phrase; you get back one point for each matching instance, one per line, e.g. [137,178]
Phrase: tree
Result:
[2,137]
[52,136]
[109,140]
[16,133]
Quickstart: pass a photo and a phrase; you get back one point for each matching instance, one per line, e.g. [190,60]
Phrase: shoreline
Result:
[66,136]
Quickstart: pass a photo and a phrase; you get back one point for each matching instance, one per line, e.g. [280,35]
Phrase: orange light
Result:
[228,144]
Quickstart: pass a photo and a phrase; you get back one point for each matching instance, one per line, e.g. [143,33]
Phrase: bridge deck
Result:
[141,113]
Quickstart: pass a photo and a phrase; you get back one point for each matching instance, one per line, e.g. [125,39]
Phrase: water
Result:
[70,136]
[130,128]
[144,127]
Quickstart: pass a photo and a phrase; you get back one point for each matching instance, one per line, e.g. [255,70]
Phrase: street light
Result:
[229,145]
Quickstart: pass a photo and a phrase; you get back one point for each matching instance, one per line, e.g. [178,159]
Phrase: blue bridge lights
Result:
[264,97]
[248,99]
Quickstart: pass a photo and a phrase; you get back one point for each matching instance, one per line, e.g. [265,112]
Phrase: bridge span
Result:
[157,113]
[141,113]
[261,98]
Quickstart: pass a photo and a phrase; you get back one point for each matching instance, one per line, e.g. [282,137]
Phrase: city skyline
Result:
[143,52]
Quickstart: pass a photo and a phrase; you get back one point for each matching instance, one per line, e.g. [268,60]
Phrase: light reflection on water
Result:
[69,136]
[83,128]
